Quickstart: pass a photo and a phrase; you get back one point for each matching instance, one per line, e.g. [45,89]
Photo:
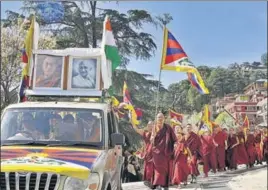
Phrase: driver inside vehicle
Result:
[28,131]
[89,128]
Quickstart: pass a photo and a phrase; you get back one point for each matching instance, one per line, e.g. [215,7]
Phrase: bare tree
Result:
[12,42]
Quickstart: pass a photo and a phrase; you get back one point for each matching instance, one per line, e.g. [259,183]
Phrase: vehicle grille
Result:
[29,181]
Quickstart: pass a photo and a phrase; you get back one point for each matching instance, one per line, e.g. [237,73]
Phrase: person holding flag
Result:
[163,139]
[148,157]
[242,156]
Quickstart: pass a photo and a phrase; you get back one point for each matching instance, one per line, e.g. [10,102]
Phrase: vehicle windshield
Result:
[52,126]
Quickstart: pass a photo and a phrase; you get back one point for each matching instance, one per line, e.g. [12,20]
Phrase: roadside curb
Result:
[242,181]
[245,170]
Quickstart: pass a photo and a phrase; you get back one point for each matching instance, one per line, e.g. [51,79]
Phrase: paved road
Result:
[218,181]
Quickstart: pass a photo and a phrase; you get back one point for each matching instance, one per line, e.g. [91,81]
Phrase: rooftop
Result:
[263,102]
[259,80]
[78,105]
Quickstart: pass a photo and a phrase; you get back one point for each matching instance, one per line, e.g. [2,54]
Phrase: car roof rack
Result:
[99,96]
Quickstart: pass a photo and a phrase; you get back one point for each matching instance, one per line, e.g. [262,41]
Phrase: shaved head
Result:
[160,118]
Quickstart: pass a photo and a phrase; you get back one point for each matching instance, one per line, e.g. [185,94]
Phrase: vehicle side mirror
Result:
[117,139]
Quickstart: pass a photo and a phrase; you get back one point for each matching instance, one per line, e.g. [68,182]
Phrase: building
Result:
[221,103]
[262,113]
[257,90]
[242,107]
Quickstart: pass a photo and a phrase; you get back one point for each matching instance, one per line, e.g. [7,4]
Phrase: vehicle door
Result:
[118,148]
[113,157]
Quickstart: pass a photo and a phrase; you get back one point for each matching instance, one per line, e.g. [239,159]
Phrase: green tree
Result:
[12,42]
[225,120]
[82,26]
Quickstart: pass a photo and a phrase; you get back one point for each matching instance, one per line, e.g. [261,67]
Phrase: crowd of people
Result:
[172,155]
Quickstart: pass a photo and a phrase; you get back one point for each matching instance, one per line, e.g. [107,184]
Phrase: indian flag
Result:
[110,48]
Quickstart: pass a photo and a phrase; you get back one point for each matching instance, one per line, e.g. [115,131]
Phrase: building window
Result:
[250,108]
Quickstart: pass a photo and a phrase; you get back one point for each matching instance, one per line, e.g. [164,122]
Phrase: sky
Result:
[211,33]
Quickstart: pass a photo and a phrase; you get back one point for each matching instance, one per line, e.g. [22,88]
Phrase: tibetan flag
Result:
[127,99]
[175,118]
[110,47]
[174,58]
[26,56]
[195,83]
[206,117]
[246,123]
[139,113]
[126,95]
[115,102]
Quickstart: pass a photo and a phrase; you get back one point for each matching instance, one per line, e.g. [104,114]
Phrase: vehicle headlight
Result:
[92,183]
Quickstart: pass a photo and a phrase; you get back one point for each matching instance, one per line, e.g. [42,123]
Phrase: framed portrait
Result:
[48,71]
[84,73]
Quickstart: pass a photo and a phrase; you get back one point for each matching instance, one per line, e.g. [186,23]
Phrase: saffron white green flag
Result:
[111,53]
[110,48]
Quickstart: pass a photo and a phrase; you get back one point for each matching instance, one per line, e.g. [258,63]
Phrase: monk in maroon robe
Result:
[225,130]
[232,143]
[242,156]
[163,140]
[220,138]
[250,147]
[258,146]
[177,130]
[181,154]
[208,152]
[193,142]
[148,157]
[265,145]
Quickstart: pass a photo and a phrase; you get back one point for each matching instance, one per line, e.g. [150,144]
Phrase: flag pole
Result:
[159,83]
[158,92]
[160,69]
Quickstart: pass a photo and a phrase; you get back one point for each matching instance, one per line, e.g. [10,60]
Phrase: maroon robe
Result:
[148,157]
[265,148]
[194,144]
[209,153]
[250,148]
[232,152]
[180,168]
[220,139]
[258,149]
[242,156]
[162,152]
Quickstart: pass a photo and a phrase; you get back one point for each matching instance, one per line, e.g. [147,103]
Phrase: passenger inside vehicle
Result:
[89,128]
[68,119]
[28,131]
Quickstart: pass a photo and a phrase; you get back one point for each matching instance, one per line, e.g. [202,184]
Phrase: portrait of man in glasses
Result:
[84,73]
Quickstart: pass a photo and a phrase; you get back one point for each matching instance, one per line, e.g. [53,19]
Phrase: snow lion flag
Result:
[110,48]
[175,59]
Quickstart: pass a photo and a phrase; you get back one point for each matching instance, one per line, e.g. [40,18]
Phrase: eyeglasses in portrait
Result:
[48,71]
[84,73]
